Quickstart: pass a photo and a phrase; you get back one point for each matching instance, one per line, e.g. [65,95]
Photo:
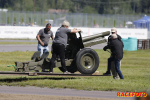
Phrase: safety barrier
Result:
[143,43]
[21,32]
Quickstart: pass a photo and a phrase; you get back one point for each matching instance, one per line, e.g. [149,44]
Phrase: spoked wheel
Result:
[87,61]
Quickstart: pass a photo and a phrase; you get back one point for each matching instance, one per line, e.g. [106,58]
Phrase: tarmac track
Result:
[33,47]
[61,92]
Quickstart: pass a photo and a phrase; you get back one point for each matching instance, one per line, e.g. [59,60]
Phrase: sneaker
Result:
[50,72]
[117,78]
[107,74]
[44,70]
[67,72]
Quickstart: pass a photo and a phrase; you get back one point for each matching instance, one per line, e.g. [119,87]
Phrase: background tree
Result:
[80,6]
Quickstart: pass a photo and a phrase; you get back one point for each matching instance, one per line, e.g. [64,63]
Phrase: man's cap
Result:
[113,29]
[66,23]
[114,36]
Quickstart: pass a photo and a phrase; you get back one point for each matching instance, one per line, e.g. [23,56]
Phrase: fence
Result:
[75,19]
[143,44]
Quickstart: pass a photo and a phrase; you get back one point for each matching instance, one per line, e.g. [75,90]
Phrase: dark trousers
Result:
[117,66]
[58,50]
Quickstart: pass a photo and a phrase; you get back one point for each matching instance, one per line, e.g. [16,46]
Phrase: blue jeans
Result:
[42,49]
[117,66]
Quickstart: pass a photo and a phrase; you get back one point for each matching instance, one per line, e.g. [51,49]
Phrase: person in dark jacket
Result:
[116,48]
[113,31]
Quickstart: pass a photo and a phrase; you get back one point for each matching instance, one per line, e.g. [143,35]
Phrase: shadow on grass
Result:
[9,80]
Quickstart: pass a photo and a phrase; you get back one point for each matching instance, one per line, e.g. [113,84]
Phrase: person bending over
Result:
[59,45]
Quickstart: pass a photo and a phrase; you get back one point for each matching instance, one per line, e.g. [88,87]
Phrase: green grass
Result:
[135,67]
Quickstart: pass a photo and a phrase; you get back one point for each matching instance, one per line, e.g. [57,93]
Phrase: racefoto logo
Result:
[131,94]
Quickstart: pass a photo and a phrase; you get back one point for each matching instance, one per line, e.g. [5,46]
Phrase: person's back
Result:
[59,45]
[61,36]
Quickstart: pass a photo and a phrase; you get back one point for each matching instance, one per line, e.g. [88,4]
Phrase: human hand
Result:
[79,30]
[42,43]
[105,48]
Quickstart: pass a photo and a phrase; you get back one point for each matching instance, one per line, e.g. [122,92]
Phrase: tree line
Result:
[80,6]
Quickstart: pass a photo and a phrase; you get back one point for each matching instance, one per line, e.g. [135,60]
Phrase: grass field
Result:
[135,67]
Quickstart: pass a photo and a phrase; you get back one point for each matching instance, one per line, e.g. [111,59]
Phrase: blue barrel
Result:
[125,42]
[132,44]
